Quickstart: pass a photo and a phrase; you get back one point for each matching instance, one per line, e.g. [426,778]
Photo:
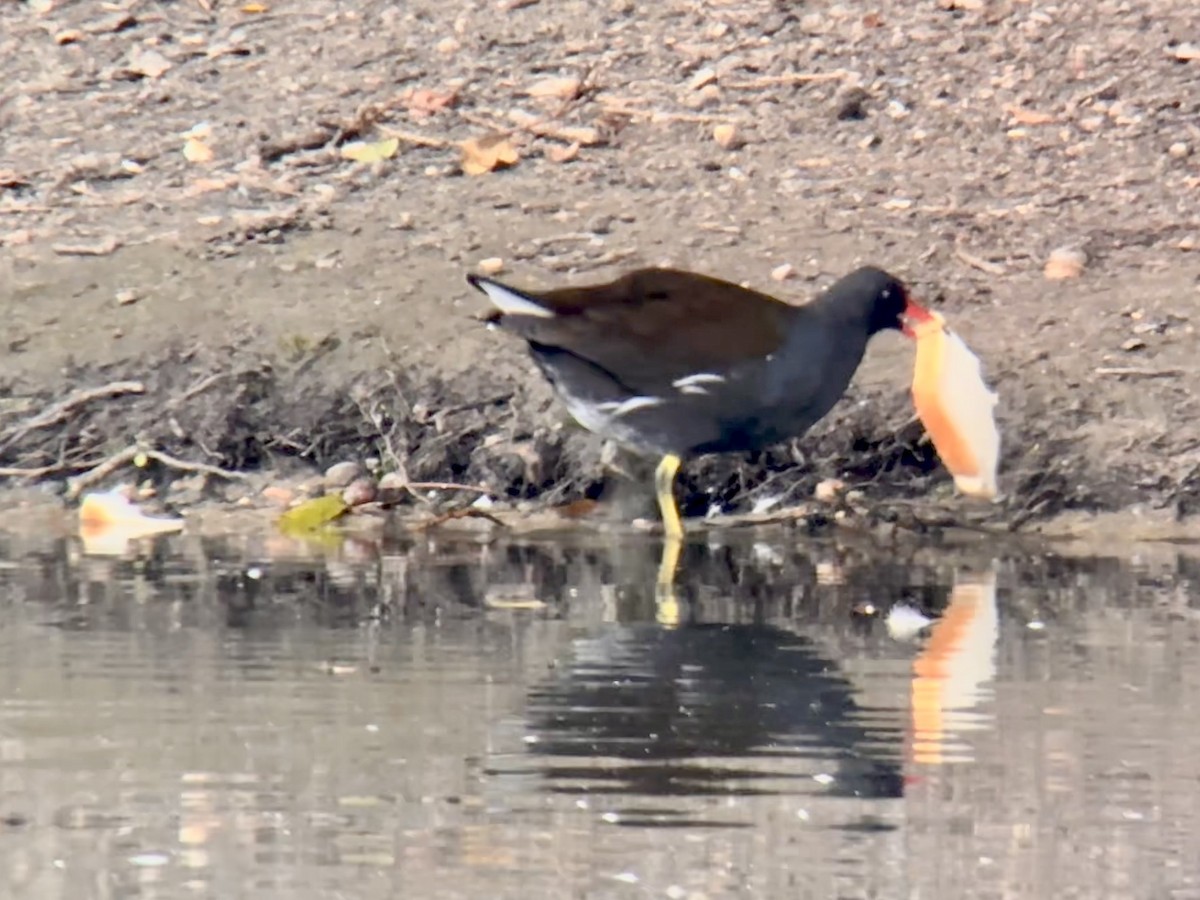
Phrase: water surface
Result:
[446,719]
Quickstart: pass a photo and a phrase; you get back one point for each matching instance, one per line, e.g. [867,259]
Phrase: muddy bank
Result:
[199,428]
[187,206]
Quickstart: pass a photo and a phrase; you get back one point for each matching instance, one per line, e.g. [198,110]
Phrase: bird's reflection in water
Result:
[672,711]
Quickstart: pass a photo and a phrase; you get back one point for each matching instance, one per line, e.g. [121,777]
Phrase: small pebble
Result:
[1133,344]
[124,298]
[783,273]
[851,104]
[447,45]
[493,265]
[360,491]
[727,136]
[340,475]
[702,78]
[1179,150]
[828,490]
[1065,262]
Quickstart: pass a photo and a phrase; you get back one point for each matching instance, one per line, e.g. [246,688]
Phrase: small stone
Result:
[828,490]
[278,495]
[447,45]
[783,272]
[601,224]
[340,475]
[702,78]
[360,491]
[1065,262]
[392,487]
[851,104]
[493,265]
[1188,242]
[871,140]
[727,137]
[124,298]
[1179,150]
[1133,345]
[813,23]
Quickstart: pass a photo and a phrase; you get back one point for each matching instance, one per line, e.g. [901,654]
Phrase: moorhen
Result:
[671,363]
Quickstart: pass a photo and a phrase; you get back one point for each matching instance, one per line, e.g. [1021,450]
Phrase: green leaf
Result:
[312,515]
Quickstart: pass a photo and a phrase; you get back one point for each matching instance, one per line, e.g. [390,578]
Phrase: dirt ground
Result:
[177,209]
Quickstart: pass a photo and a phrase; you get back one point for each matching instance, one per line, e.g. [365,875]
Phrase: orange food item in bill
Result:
[956,407]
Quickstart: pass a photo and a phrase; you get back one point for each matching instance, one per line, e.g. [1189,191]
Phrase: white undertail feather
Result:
[512,303]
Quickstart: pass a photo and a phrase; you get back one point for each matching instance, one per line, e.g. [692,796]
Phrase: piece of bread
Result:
[956,407]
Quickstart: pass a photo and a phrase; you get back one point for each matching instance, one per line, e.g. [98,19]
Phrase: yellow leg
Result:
[664,486]
[666,603]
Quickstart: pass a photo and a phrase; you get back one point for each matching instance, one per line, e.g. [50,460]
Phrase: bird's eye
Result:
[887,293]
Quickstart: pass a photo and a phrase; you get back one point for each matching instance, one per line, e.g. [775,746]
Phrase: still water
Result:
[436,719]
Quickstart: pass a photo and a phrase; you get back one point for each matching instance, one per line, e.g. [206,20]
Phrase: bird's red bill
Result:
[914,314]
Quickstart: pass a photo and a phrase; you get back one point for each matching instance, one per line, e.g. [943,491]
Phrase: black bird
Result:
[671,363]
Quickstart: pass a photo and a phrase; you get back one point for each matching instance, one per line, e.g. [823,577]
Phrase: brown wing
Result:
[655,324]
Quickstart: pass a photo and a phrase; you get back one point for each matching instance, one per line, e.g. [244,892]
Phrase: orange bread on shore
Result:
[956,407]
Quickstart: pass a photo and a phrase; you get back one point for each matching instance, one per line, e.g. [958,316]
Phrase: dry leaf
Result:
[370,151]
[312,515]
[147,63]
[1029,116]
[555,88]
[196,151]
[488,153]
[562,154]
[572,134]
[423,103]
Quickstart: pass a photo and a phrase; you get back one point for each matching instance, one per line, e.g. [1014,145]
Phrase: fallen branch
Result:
[61,410]
[444,486]
[420,140]
[198,388]
[584,135]
[43,471]
[184,466]
[78,485]
[778,80]
[1134,372]
[661,116]
[470,513]
[977,262]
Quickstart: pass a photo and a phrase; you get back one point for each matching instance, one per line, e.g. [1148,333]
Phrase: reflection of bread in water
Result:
[956,407]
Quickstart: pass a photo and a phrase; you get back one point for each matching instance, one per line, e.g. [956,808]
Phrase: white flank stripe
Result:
[511,303]
[625,407]
[697,380]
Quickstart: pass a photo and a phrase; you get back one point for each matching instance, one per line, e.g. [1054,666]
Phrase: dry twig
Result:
[63,409]
[977,262]
[78,485]
[755,84]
